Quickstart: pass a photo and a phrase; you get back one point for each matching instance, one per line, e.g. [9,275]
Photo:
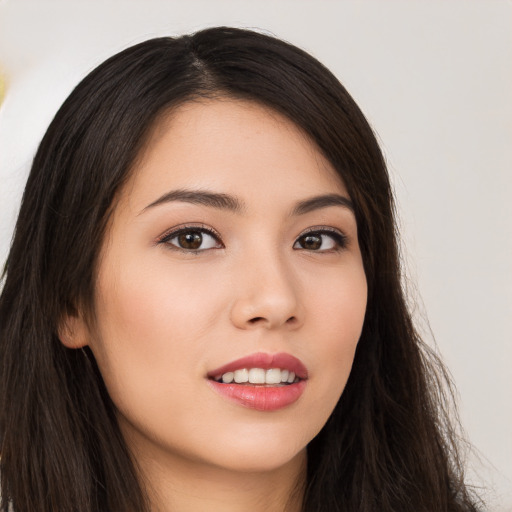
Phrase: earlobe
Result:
[73,331]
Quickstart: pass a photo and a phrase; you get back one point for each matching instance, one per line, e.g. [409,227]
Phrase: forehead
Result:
[234,146]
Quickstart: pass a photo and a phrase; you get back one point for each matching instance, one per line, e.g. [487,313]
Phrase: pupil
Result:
[190,240]
[312,242]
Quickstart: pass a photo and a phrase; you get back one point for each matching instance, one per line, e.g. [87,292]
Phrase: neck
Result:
[184,486]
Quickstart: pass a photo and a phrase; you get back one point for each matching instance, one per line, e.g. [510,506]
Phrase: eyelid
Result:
[175,231]
[323,230]
[339,236]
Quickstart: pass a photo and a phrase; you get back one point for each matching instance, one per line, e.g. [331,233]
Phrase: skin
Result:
[166,317]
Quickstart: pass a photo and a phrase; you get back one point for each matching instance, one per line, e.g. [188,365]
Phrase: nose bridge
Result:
[267,292]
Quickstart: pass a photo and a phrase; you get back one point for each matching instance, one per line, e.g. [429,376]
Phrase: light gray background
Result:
[435,80]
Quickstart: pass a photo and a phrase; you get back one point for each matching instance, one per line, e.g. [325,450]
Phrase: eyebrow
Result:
[323,201]
[232,203]
[211,199]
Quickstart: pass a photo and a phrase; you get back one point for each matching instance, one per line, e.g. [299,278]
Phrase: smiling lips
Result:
[265,382]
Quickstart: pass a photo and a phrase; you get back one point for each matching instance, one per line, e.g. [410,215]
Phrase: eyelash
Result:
[176,232]
[340,240]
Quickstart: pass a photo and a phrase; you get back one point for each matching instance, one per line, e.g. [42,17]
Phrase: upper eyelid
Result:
[340,238]
[323,229]
[176,230]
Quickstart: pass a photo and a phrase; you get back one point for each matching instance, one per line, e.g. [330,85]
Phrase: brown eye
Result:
[191,240]
[321,241]
[311,242]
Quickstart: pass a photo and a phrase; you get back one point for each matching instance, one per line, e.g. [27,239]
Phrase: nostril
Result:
[257,319]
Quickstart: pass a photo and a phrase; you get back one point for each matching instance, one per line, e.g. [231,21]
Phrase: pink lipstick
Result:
[261,381]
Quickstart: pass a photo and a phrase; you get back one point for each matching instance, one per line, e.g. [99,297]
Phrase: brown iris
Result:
[190,240]
[311,242]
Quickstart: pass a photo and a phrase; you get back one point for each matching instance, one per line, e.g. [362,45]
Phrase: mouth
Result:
[265,382]
[259,377]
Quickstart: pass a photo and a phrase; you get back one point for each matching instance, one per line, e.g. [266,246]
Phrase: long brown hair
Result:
[388,445]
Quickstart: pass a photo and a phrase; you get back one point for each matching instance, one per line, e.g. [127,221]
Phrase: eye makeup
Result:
[196,238]
[321,239]
[189,238]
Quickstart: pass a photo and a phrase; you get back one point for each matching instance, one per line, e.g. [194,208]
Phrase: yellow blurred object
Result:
[3,87]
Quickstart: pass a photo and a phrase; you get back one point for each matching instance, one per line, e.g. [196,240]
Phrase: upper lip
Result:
[265,361]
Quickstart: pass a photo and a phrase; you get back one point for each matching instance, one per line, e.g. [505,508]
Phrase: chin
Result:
[257,452]
[260,461]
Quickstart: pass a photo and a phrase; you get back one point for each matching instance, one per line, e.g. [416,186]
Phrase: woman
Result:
[202,306]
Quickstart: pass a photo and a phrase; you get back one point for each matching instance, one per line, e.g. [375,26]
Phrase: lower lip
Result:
[261,398]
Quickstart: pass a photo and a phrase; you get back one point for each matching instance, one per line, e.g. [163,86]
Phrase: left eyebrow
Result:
[201,197]
[323,201]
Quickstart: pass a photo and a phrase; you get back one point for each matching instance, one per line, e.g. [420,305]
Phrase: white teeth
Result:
[227,378]
[258,376]
[273,376]
[241,376]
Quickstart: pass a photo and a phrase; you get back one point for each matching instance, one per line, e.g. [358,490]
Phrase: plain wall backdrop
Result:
[435,80]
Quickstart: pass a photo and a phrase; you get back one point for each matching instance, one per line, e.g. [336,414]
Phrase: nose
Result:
[267,296]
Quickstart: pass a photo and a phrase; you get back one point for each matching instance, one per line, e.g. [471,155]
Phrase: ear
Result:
[73,332]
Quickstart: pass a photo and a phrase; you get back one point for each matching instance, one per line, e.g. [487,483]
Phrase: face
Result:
[232,253]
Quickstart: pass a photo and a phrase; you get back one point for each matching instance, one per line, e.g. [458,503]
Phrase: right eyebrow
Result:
[322,201]
[211,199]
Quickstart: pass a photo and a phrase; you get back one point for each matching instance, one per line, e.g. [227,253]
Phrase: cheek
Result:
[339,310]
[337,305]
[345,309]
[153,330]
[152,305]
